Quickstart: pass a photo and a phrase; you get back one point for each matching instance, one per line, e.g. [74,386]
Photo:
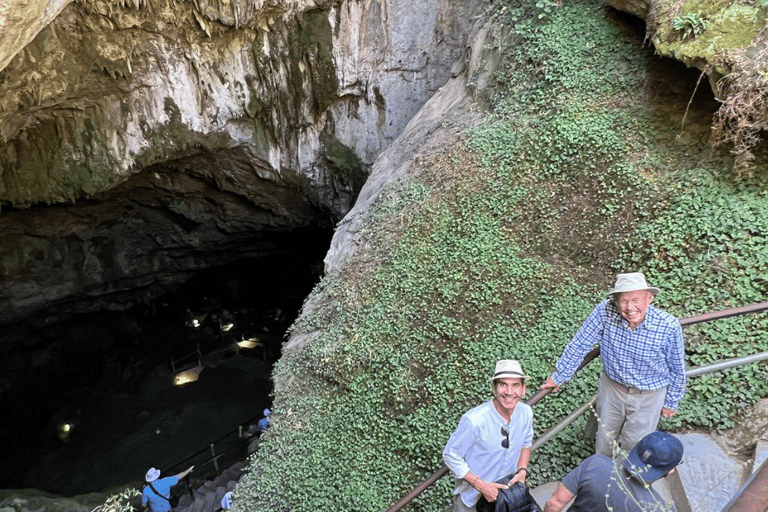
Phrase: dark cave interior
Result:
[79,370]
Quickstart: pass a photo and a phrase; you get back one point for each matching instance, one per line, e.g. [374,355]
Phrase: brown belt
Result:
[631,390]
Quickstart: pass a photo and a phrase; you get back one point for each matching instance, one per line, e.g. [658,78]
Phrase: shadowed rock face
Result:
[139,239]
[142,141]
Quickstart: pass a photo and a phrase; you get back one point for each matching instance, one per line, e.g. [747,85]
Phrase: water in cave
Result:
[109,374]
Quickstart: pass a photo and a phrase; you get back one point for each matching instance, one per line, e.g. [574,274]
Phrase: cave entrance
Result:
[109,374]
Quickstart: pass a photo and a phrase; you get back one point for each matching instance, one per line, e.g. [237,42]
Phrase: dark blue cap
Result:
[654,456]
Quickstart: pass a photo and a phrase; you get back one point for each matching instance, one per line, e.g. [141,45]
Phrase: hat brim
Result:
[640,469]
[510,375]
[655,291]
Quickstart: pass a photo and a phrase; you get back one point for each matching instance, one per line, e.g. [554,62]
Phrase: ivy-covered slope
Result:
[497,246]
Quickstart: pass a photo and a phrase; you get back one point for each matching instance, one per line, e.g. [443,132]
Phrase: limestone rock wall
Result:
[278,107]
[104,90]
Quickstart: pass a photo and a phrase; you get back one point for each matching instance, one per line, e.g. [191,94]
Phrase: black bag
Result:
[516,498]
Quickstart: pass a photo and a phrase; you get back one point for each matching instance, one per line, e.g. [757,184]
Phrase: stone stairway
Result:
[208,496]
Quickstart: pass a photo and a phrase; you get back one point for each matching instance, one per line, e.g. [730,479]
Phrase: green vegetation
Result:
[729,41]
[691,25]
[724,26]
[120,502]
[498,247]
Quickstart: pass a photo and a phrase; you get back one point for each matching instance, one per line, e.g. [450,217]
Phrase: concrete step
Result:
[230,474]
[207,487]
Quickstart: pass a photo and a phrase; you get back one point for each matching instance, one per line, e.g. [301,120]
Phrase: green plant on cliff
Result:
[120,502]
[690,24]
[498,245]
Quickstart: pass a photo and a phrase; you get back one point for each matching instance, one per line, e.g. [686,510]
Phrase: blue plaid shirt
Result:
[649,357]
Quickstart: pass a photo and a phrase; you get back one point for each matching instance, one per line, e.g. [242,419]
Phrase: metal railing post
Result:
[215,459]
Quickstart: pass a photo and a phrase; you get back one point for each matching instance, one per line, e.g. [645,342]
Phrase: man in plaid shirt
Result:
[643,355]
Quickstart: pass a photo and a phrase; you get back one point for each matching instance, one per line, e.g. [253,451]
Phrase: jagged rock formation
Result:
[137,136]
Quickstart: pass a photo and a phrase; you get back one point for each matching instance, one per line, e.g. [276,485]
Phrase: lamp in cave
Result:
[195,322]
[249,343]
[64,430]
[227,327]
[187,376]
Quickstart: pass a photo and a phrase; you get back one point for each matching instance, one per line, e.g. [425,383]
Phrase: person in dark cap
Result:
[492,441]
[643,357]
[602,484]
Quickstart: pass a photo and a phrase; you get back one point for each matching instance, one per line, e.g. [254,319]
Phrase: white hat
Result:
[226,501]
[152,475]
[267,412]
[631,282]
[509,369]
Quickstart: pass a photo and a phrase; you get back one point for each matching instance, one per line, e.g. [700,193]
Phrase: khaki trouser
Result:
[625,414]
[459,506]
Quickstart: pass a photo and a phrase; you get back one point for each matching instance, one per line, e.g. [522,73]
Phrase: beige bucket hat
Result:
[631,282]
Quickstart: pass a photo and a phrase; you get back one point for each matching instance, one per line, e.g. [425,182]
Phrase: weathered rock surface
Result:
[728,42]
[179,124]
[21,21]
[138,240]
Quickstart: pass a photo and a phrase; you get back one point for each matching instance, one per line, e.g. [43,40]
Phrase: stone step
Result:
[208,496]
[232,474]
[197,506]
[209,503]
[220,492]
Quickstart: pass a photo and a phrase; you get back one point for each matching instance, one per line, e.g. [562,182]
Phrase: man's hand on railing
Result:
[549,383]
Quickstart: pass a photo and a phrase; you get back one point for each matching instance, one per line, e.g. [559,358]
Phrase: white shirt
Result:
[476,446]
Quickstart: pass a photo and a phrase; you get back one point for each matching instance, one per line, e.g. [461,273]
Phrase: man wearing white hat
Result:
[157,492]
[493,440]
[643,358]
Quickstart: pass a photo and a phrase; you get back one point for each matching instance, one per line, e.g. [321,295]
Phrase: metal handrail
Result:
[541,393]
[214,457]
[693,372]
[751,496]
